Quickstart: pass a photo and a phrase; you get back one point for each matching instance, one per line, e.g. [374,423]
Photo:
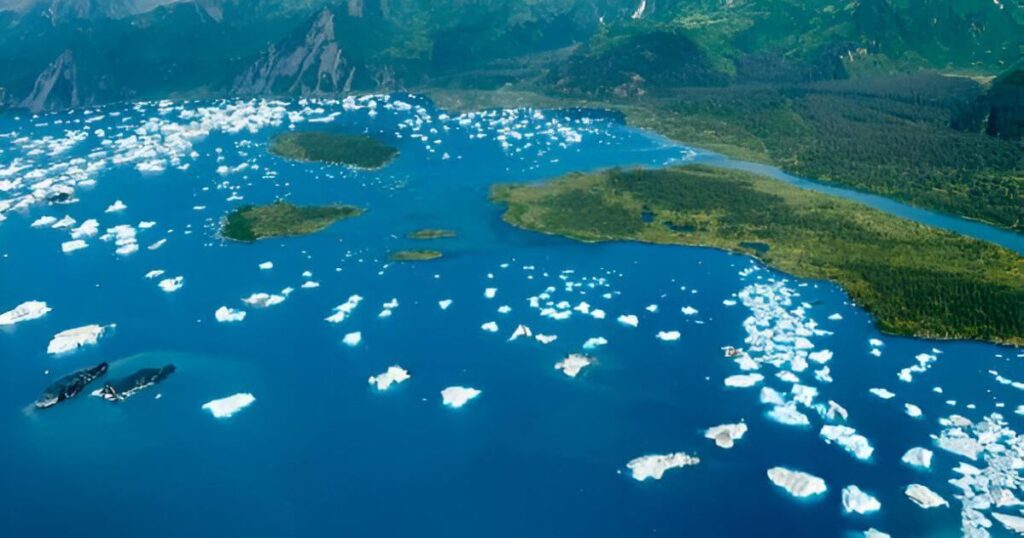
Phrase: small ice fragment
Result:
[629,319]
[924,497]
[796,483]
[171,285]
[266,266]
[820,357]
[725,435]
[490,327]
[546,338]
[343,310]
[593,342]
[572,364]
[26,311]
[444,304]
[743,380]
[836,317]
[73,245]
[394,374]
[458,396]
[918,457]
[688,310]
[848,439]
[882,393]
[118,205]
[655,465]
[855,500]
[73,339]
[521,330]
[912,410]
[490,292]
[227,315]
[668,336]
[352,339]
[226,407]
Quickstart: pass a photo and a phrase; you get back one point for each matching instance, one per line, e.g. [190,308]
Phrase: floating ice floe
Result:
[594,342]
[26,311]
[73,339]
[655,465]
[490,327]
[393,375]
[689,311]
[924,497]
[226,407]
[882,393]
[875,533]
[849,439]
[924,363]
[726,435]
[796,483]
[668,336]
[343,310]
[546,338]
[789,415]
[444,304]
[115,207]
[820,357]
[912,410]
[490,292]
[44,221]
[836,317]
[856,501]
[226,315]
[1012,523]
[521,331]
[352,339]
[918,457]
[73,245]
[171,285]
[88,228]
[310,284]
[573,364]
[266,266]
[458,396]
[629,320]
[743,380]
[155,273]
[264,300]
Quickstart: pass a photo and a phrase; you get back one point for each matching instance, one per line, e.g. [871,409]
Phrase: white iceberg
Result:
[444,304]
[490,327]
[118,205]
[352,339]
[572,364]
[266,266]
[344,309]
[855,500]
[546,338]
[226,407]
[44,221]
[171,285]
[882,393]
[726,435]
[836,317]
[490,292]
[655,465]
[394,374]
[73,245]
[226,315]
[629,319]
[918,457]
[26,311]
[458,396]
[668,336]
[1012,523]
[788,414]
[924,497]
[688,310]
[743,380]
[521,331]
[912,410]
[73,339]
[820,357]
[263,300]
[849,439]
[594,342]
[796,483]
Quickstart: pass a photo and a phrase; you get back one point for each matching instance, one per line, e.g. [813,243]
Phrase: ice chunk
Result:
[44,221]
[73,339]
[820,357]
[225,314]
[668,336]
[629,319]
[836,317]
[855,500]
[912,410]
[875,533]
[458,396]
[688,311]
[521,331]
[26,311]
[849,439]
[343,310]
[490,292]
[73,245]
[918,457]
[226,407]
[882,393]
[655,465]
[572,364]
[787,414]
[171,285]
[743,380]
[874,342]
[265,266]
[118,205]
[444,304]
[490,327]
[88,228]
[725,435]
[546,338]
[352,339]
[264,300]
[1012,523]
[394,374]
[796,483]
[924,497]
[594,342]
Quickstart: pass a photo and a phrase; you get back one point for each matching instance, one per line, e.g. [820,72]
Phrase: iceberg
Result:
[655,465]
[44,221]
[69,386]
[115,207]
[668,336]
[836,317]
[344,309]
[490,327]
[521,331]
[444,304]
[924,497]
[849,439]
[594,342]
[171,285]
[882,393]
[73,245]
[918,457]
[688,311]
[912,410]
[26,311]
[546,338]
[226,407]
[725,435]
[264,300]
[629,320]
[820,357]
[875,533]
[573,364]
[458,396]
[855,500]
[394,374]
[352,339]
[225,314]
[743,380]
[88,228]
[1012,523]
[73,339]
[490,292]
[126,387]
[787,414]
[796,483]
[265,266]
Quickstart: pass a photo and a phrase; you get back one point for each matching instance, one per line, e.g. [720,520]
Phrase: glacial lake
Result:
[537,453]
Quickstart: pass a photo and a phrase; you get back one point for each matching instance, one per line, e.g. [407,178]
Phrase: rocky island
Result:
[126,387]
[69,386]
[415,255]
[250,223]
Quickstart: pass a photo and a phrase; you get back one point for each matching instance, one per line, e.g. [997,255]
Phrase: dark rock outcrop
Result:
[56,87]
[126,387]
[310,64]
[69,386]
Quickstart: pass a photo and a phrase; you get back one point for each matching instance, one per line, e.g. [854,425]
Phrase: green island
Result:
[432,233]
[914,279]
[415,255]
[252,222]
[359,151]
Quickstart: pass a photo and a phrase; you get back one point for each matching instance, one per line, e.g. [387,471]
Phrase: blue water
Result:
[321,452]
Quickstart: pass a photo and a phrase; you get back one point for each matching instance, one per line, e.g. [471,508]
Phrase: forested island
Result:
[916,280]
[252,222]
[415,255]
[359,151]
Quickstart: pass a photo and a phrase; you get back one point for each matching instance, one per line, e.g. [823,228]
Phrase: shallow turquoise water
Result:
[320,451]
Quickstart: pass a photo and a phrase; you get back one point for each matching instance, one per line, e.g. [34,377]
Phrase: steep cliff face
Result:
[308,64]
[56,87]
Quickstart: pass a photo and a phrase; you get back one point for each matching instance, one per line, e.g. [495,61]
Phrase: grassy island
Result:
[249,223]
[360,151]
[914,279]
[432,233]
[415,255]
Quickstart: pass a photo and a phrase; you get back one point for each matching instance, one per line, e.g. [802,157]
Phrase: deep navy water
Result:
[321,452]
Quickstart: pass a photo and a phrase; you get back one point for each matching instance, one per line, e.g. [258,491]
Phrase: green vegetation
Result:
[914,279]
[432,233]
[250,223]
[353,150]
[415,255]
